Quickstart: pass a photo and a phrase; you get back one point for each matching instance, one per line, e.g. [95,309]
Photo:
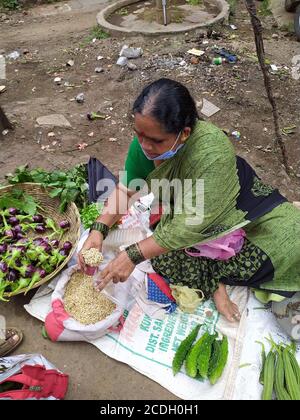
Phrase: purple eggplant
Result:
[13,221]
[12,211]
[27,271]
[17,229]
[3,249]
[21,248]
[3,267]
[67,246]
[63,252]
[65,224]
[18,263]
[42,273]
[40,229]
[38,218]
[30,271]
[54,243]
[13,275]
[47,247]
[9,234]
[38,241]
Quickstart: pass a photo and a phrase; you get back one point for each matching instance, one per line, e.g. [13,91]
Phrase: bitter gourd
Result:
[191,366]
[204,355]
[218,361]
[183,350]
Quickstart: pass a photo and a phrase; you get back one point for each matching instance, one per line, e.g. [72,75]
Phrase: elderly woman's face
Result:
[152,138]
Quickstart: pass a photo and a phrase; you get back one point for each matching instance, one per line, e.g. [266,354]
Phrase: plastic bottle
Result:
[218,61]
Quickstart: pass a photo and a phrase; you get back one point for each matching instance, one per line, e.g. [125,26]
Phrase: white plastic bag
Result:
[60,326]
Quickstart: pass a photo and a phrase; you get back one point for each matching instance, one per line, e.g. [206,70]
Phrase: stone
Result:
[194,60]
[80,98]
[58,80]
[122,61]
[99,70]
[131,66]
[54,120]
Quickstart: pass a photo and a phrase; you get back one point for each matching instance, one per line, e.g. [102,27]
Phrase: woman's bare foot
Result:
[224,305]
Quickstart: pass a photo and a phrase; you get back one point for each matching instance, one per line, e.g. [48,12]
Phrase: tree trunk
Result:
[258,29]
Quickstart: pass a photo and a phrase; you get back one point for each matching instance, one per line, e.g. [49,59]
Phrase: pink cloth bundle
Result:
[221,249]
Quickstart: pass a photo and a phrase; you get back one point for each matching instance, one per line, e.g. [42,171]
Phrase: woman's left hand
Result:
[118,270]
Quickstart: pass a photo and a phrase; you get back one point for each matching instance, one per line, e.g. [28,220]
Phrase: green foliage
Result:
[68,186]
[19,200]
[122,12]
[16,4]
[232,6]
[10,4]
[289,28]
[97,33]
[264,9]
[195,2]
[90,213]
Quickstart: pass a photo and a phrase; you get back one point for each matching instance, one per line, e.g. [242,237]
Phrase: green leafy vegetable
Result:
[19,200]
[90,213]
[68,186]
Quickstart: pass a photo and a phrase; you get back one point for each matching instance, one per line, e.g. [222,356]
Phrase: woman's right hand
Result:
[95,240]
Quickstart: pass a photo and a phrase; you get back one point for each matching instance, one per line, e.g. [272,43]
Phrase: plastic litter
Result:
[236,135]
[13,55]
[196,52]
[209,109]
[130,52]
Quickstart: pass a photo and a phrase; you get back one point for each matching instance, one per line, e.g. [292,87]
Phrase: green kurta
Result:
[270,258]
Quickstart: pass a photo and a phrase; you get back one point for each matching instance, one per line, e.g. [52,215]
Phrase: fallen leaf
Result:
[81,146]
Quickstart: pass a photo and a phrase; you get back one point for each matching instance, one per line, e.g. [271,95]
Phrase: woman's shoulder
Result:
[208,143]
[207,136]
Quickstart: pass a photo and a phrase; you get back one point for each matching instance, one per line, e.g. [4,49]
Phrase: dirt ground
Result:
[48,37]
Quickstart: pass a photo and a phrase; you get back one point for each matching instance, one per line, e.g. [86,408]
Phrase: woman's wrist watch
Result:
[100,227]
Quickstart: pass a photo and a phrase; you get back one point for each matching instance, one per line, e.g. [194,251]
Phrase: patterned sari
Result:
[234,197]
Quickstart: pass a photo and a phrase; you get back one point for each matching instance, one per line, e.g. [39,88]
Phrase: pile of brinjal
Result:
[31,247]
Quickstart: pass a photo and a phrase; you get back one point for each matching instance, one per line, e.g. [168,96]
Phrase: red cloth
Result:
[38,382]
[162,285]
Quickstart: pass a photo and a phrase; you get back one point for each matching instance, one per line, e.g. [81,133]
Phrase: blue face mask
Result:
[169,154]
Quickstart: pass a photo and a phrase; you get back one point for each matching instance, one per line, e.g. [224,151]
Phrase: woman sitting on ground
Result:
[257,225]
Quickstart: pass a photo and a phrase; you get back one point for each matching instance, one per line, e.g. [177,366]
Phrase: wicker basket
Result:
[51,206]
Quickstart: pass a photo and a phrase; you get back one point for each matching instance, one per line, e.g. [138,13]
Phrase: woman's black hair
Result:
[170,103]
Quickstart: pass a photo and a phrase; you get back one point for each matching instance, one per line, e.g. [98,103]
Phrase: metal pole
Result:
[164,5]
